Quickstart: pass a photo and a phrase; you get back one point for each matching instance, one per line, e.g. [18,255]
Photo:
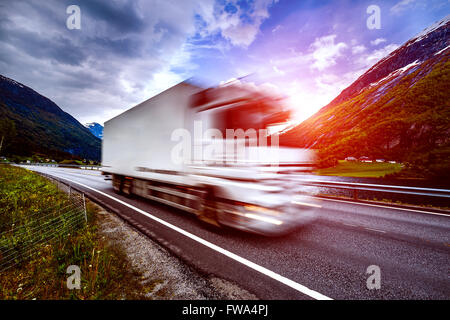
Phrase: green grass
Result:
[105,271]
[23,193]
[71,162]
[361,169]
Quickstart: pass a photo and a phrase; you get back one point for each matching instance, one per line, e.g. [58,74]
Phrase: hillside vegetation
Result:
[41,126]
[105,271]
[361,169]
[399,110]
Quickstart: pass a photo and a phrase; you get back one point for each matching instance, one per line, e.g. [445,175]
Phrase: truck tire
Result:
[127,186]
[117,183]
[208,208]
[122,185]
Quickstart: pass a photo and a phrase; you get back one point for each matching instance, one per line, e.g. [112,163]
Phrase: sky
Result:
[127,51]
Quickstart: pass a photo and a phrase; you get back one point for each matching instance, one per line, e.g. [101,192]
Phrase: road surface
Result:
[327,259]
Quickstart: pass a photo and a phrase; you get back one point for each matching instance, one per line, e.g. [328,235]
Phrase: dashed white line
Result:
[290,283]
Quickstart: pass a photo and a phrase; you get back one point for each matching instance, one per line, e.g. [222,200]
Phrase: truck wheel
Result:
[117,183]
[122,185]
[208,208]
[127,186]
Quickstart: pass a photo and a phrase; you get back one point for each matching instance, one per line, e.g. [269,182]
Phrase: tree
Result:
[7,131]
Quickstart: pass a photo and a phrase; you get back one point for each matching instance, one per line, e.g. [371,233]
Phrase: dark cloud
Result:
[60,49]
[122,17]
[125,52]
[125,47]
[107,65]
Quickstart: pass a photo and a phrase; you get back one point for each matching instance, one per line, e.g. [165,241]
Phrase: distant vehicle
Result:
[351,159]
[174,148]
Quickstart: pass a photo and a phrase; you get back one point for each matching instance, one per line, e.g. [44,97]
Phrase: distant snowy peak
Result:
[95,128]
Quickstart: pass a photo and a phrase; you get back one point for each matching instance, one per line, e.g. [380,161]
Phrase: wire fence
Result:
[20,240]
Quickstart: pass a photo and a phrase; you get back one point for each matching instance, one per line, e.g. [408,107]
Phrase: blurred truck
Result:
[211,152]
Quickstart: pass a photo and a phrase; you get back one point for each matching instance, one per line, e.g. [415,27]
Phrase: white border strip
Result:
[311,293]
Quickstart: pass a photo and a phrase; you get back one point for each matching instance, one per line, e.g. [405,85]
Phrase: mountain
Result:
[398,110]
[95,128]
[42,127]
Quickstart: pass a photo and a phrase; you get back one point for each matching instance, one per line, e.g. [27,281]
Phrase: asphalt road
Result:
[327,259]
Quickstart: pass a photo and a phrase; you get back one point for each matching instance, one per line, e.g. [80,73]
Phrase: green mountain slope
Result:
[398,110]
[41,126]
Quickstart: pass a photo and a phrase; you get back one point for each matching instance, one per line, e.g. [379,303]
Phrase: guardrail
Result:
[393,195]
[355,187]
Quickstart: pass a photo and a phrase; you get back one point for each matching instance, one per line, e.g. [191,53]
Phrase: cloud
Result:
[358,49]
[240,35]
[280,72]
[401,6]
[377,41]
[126,50]
[325,52]
[278,27]
[237,22]
[123,54]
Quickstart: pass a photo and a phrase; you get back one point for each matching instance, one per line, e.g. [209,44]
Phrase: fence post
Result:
[355,194]
[70,191]
[84,207]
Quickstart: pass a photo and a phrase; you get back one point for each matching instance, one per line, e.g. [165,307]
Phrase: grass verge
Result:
[105,271]
[361,169]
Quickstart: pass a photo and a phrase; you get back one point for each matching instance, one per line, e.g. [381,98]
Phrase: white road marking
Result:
[248,263]
[388,207]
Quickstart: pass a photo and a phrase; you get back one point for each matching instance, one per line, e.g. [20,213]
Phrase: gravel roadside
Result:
[167,276]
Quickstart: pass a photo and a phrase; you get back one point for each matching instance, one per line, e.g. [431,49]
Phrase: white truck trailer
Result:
[177,148]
